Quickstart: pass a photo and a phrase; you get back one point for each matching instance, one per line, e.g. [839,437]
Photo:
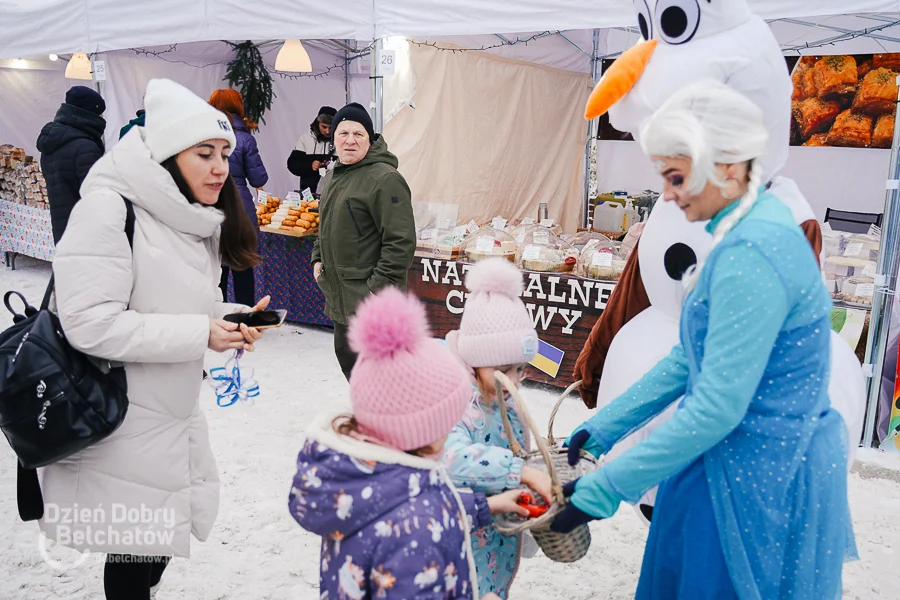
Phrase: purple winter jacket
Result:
[246,165]
[390,524]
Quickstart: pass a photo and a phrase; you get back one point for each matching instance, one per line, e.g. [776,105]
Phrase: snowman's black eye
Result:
[678,20]
[644,18]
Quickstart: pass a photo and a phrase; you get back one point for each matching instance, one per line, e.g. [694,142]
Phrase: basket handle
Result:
[550,439]
[501,381]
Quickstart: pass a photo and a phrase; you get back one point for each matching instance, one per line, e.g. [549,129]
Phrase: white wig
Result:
[710,124]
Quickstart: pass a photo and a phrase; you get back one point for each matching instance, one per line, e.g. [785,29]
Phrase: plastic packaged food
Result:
[488,242]
[543,251]
[600,259]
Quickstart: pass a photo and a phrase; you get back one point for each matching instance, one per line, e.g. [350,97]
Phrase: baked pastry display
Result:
[883,136]
[815,115]
[877,93]
[851,129]
[819,139]
[835,76]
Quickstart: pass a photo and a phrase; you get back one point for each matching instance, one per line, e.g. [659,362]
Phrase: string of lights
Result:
[502,44]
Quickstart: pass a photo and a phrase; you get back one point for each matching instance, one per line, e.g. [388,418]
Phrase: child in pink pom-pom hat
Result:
[496,334]
[371,483]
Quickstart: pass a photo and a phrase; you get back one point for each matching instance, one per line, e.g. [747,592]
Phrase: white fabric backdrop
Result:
[495,136]
[28,100]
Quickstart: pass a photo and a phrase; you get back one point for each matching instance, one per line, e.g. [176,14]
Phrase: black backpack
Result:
[54,400]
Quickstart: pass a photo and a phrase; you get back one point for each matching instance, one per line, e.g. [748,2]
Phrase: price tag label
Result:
[387,62]
[429,234]
[875,231]
[853,249]
[869,271]
[99,70]
[547,223]
[498,223]
[262,197]
[307,195]
[460,231]
[527,221]
[484,245]
[292,199]
[472,226]
[602,259]
[531,253]
[541,238]
[865,290]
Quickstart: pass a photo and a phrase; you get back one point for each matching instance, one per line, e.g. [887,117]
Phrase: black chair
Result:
[852,222]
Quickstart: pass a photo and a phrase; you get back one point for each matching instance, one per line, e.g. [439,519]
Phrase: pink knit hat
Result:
[496,330]
[408,390]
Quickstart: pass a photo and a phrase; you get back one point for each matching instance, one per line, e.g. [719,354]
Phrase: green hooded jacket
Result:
[367,234]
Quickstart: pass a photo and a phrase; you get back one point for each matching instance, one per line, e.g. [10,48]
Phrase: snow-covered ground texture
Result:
[257,552]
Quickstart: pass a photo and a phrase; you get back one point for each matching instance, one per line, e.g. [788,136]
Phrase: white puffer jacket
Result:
[154,481]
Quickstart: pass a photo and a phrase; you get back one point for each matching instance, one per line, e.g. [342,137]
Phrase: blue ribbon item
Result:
[231,385]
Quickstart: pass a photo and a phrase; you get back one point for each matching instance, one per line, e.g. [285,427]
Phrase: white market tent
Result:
[33,27]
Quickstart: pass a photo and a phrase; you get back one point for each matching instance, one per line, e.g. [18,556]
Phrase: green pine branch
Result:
[248,74]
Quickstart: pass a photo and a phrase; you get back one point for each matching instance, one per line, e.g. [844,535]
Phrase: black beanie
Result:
[86,99]
[327,110]
[354,112]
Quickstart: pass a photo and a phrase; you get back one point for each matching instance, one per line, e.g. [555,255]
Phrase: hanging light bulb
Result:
[53,57]
[293,58]
[79,67]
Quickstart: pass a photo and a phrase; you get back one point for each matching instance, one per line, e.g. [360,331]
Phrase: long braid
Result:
[728,223]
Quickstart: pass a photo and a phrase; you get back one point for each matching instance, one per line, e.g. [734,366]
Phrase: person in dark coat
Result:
[137,121]
[248,171]
[314,145]
[69,147]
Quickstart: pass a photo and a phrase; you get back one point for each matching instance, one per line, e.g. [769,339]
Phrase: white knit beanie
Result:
[177,119]
[496,329]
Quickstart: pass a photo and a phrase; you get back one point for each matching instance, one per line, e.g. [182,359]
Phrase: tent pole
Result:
[346,77]
[885,288]
[591,135]
[377,87]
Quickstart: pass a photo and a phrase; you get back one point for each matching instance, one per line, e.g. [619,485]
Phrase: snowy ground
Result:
[257,552]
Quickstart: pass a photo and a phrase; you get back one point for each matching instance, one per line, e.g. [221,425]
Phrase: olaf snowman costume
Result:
[695,40]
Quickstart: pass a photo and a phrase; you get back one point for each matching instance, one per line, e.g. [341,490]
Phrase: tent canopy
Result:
[34,27]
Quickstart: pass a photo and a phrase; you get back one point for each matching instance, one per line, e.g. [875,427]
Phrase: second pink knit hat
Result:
[407,389]
[496,329]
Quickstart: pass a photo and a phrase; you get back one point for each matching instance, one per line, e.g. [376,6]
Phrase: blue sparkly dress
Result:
[753,496]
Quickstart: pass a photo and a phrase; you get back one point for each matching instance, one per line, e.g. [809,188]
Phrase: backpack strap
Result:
[29,498]
[129,233]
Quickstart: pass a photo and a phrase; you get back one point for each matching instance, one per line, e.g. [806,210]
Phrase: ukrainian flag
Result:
[548,358]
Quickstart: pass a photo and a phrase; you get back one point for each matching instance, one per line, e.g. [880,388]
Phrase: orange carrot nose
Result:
[619,79]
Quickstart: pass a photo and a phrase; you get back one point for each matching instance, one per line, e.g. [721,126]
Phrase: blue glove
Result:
[572,516]
[575,444]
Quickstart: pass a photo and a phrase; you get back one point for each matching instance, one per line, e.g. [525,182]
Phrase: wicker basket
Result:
[551,458]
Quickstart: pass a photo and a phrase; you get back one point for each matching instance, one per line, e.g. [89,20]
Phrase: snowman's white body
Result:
[740,50]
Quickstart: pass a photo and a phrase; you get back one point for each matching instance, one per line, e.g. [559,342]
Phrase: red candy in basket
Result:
[535,508]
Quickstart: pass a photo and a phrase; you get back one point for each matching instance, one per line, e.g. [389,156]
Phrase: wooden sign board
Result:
[564,308]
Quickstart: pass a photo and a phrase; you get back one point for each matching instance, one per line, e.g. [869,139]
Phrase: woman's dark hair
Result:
[348,425]
[237,244]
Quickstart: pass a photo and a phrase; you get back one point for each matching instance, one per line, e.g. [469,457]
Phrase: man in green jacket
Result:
[367,235]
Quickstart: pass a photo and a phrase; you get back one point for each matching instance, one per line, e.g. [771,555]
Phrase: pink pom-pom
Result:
[388,322]
[495,275]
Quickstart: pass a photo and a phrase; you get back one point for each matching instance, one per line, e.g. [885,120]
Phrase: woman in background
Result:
[248,171]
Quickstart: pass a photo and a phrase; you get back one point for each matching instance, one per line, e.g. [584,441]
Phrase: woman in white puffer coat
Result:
[157,308]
